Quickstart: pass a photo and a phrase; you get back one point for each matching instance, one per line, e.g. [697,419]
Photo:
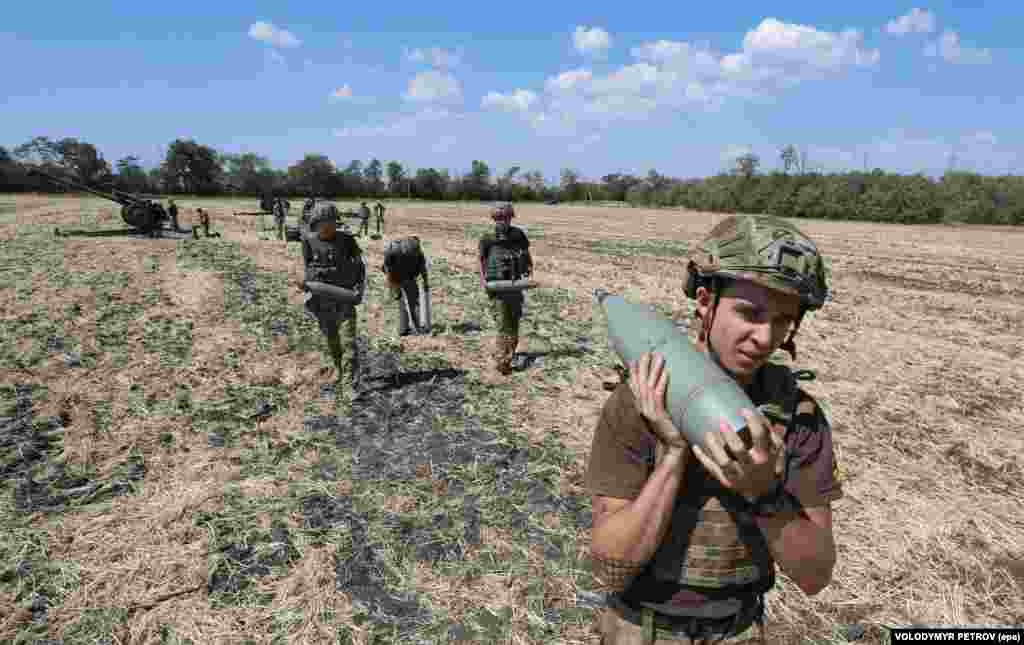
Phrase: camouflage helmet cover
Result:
[766,250]
[323,213]
[503,210]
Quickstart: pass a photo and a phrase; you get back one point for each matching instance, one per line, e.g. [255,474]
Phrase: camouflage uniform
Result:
[364,219]
[707,578]
[404,261]
[380,218]
[338,262]
[172,210]
[279,217]
[505,255]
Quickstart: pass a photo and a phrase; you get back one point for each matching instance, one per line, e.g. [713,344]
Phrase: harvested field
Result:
[175,470]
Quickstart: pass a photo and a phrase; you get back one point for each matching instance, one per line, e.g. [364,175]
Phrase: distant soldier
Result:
[279,217]
[505,255]
[364,219]
[380,217]
[404,261]
[172,210]
[334,257]
[204,221]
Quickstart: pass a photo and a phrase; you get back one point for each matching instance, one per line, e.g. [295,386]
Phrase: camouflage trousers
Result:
[279,225]
[616,630]
[408,296]
[364,226]
[338,325]
[380,224]
[507,310]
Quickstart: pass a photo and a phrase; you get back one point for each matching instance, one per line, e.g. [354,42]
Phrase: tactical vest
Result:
[403,257]
[508,258]
[713,546]
[336,261]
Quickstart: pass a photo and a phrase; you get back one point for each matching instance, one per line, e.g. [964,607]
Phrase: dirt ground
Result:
[916,356]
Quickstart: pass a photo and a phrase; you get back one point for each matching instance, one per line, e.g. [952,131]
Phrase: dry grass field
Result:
[174,470]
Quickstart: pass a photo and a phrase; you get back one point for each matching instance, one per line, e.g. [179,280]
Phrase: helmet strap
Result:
[789,345]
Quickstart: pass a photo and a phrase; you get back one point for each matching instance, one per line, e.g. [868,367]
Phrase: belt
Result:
[692,627]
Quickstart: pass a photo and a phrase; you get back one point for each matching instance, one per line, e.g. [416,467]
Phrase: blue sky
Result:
[599,87]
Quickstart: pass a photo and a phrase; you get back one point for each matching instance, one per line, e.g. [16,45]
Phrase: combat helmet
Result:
[765,250]
[323,213]
[503,210]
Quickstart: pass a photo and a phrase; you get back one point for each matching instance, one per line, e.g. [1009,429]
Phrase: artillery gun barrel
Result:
[77,186]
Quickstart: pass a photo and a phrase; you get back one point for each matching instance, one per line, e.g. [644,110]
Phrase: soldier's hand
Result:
[753,471]
[648,379]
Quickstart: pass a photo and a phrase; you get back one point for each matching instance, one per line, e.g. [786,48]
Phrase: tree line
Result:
[794,191]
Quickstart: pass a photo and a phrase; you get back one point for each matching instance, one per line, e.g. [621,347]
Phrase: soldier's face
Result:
[750,323]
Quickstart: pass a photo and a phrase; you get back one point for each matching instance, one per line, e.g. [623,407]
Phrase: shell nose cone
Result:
[600,295]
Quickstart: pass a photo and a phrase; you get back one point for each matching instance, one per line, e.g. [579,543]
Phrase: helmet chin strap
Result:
[706,327]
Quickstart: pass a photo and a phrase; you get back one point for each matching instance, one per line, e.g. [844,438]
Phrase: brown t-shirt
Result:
[623,456]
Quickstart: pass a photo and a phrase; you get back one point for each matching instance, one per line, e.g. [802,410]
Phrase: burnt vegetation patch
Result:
[36,483]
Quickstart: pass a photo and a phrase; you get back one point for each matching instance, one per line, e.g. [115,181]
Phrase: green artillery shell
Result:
[700,394]
[342,295]
[507,286]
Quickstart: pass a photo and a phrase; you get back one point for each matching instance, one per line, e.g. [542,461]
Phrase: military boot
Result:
[504,348]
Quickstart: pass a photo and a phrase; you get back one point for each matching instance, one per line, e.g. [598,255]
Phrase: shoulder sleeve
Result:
[622,451]
[485,243]
[813,469]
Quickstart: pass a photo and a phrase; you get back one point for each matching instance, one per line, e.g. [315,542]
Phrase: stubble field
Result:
[174,468]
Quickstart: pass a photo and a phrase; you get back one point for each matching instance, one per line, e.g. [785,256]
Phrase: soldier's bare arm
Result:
[803,545]
[626,533]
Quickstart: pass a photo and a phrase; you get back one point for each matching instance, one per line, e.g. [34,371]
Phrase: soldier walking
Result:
[380,217]
[334,257]
[279,217]
[505,255]
[404,261]
[364,217]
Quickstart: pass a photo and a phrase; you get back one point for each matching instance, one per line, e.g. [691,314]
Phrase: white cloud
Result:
[948,47]
[433,86]
[591,41]
[568,80]
[272,35]
[916,21]
[342,93]
[408,125]
[671,74]
[435,56]
[517,101]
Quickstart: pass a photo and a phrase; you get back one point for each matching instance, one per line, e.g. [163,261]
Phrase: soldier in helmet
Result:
[505,255]
[364,219]
[404,261]
[204,221]
[380,217]
[172,210]
[333,256]
[279,217]
[687,539]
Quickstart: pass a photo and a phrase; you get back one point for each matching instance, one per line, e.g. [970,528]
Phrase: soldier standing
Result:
[172,210]
[364,216]
[505,255]
[334,257]
[380,217]
[685,538]
[279,216]
[404,261]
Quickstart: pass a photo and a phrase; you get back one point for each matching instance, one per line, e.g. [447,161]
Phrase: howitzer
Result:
[146,215]
[700,393]
[510,286]
[340,294]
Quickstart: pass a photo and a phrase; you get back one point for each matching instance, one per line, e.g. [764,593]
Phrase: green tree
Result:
[191,168]
[249,173]
[374,178]
[313,176]
[397,184]
[131,176]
